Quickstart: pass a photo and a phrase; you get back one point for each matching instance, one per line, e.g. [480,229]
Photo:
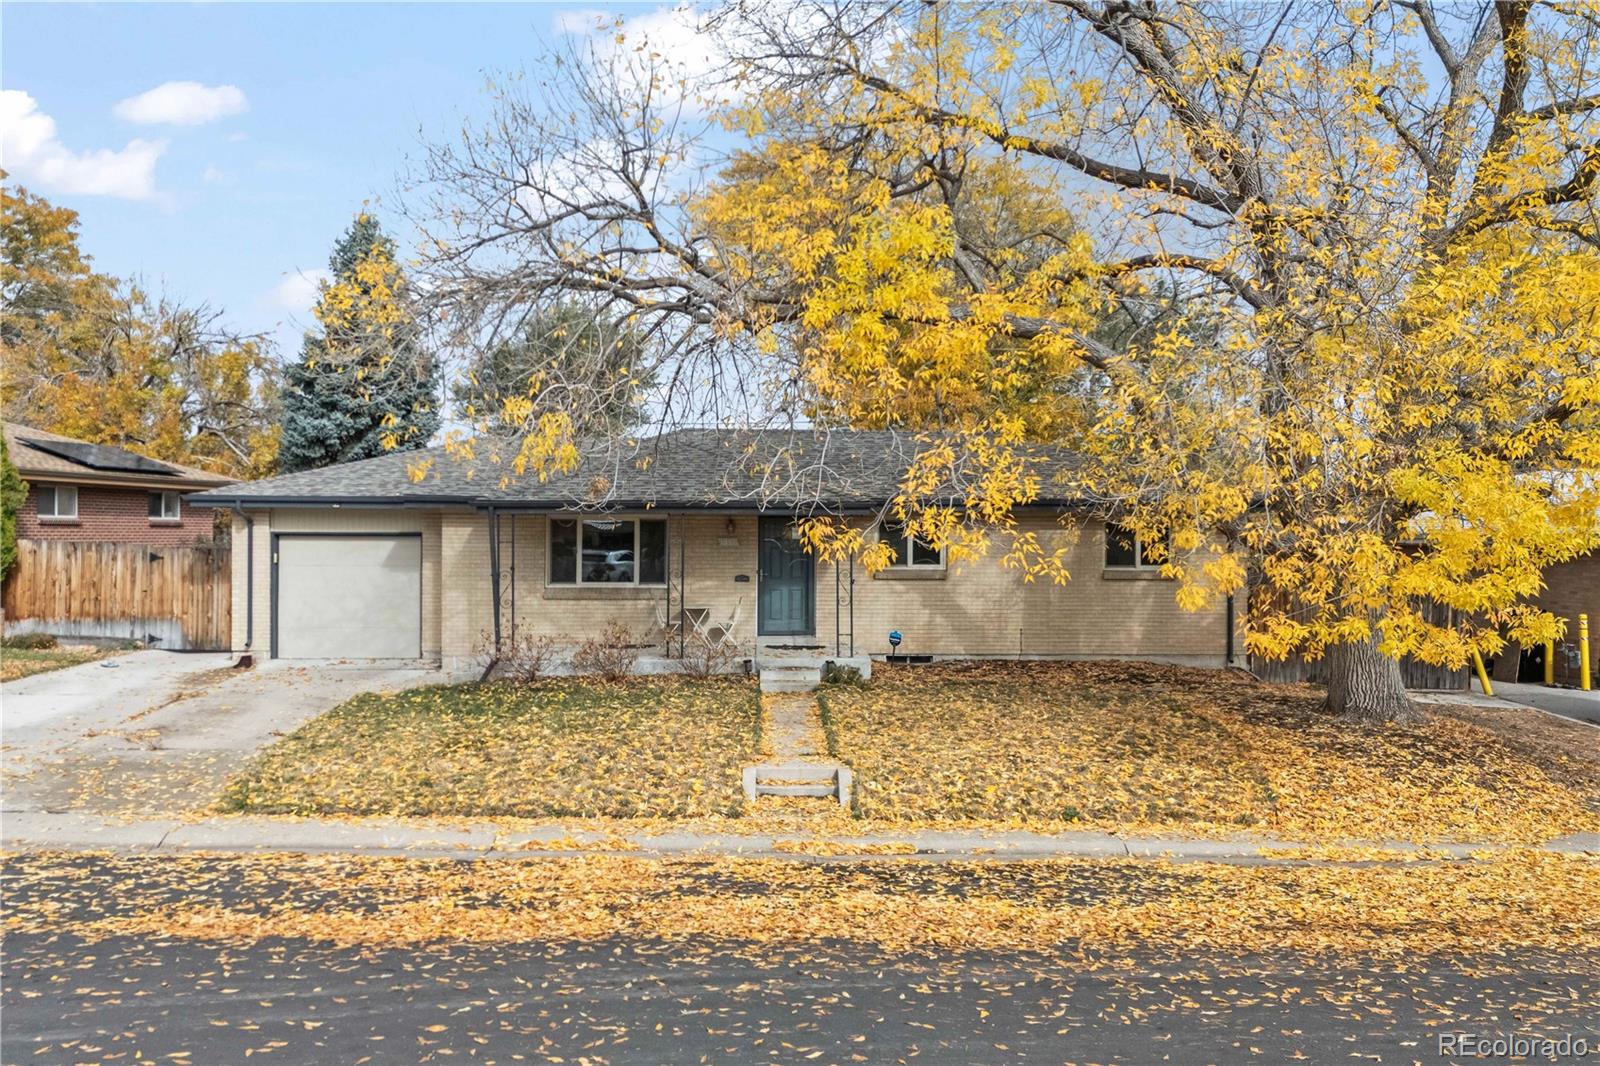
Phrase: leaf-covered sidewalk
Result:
[776,831]
[1517,901]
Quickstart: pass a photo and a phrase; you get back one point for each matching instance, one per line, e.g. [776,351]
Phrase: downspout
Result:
[1227,662]
[247,658]
[494,591]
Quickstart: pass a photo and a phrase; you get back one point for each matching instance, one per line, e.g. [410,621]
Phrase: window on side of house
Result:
[1126,550]
[910,552]
[58,502]
[608,551]
[165,507]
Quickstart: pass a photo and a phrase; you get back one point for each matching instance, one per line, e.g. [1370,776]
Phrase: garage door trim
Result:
[367,535]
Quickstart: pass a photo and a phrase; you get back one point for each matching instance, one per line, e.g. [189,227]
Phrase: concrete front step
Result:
[787,670]
[820,790]
[818,780]
[795,771]
[790,677]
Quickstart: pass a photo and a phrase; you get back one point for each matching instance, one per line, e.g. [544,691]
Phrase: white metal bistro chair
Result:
[717,631]
[675,621]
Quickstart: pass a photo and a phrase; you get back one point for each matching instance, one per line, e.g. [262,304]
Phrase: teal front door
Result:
[786,596]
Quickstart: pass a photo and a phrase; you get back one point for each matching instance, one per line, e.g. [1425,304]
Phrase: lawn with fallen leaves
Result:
[1139,747]
[643,748]
[25,662]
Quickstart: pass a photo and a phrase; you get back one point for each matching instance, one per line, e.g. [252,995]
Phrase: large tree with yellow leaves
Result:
[1360,244]
[104,360]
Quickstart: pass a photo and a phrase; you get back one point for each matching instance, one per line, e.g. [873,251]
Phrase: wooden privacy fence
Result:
[1417,674]
[177,598]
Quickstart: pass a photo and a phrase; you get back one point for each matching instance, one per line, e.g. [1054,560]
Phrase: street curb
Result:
[72,831]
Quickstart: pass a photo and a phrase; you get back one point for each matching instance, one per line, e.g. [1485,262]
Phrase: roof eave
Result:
[76,477]
[556,506]
[212,499]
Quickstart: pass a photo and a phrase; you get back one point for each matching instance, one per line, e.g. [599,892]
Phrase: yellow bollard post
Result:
[1549,662]
[1583,651]
[1483,675]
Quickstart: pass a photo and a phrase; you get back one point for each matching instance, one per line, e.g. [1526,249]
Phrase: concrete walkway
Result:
[793,729]
[81,831]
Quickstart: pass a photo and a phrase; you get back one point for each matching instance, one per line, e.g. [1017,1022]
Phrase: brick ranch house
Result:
[1570,589]
[109,547]
[358,560]
[103,494]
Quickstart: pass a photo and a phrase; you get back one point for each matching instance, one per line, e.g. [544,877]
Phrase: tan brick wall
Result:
[981,608]
[464,583]
[261,595]
[333,520]
[570,613]
[978,609]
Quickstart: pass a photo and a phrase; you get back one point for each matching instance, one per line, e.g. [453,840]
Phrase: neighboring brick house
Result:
[361,560]
[1570,589]
[102,494]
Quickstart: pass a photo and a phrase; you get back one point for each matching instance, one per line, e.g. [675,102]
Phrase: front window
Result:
[164,507]
[911,552]
[58,501]
[608,551]
[1126,550]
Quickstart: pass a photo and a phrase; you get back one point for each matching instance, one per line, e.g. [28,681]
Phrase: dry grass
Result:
[25,662]
[1139,747]
[560,748]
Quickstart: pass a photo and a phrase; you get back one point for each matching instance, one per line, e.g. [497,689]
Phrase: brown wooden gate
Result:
[177,598]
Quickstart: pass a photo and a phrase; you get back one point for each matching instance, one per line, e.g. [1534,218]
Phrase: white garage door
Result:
[349,597]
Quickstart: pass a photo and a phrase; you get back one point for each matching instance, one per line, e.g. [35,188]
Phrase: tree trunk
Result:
[1364,685]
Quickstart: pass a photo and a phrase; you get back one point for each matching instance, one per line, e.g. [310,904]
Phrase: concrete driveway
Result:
[1568,702]
[160,733]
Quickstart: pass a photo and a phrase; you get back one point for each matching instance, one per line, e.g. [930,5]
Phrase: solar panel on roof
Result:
[100,456]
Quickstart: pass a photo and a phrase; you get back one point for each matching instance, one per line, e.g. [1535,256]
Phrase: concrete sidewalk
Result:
[1571,703]
[78,831]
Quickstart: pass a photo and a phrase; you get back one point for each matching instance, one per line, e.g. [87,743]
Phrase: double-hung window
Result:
[58,503]
[165,507]
[608,551]
[1126,550]
[910,552]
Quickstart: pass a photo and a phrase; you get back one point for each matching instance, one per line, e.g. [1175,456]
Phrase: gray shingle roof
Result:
[690,468]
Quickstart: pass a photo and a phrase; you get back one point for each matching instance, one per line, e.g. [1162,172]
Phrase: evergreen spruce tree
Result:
[363,386]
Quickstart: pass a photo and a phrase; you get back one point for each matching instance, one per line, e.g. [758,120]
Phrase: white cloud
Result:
[30,149]
[182,103]
[213,174]
[666,48]
[298,290]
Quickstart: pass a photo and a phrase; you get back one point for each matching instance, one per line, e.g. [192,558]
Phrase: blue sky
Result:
[231,206]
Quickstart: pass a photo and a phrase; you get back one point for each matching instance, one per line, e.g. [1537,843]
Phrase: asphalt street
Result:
[177,999]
